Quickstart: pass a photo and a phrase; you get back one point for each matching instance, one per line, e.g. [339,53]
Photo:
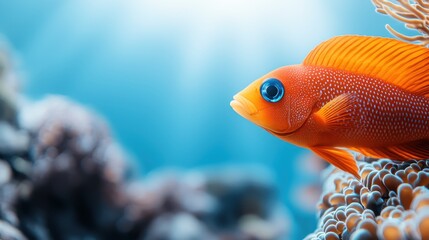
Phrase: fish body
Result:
[379,113]
[365,94]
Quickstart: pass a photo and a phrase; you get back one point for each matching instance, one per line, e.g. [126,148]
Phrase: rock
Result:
[5,173]
[8,232]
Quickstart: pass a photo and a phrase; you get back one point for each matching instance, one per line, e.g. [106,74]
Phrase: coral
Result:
[390,202]
[74,183]
[415,15]
[75,177]
[208,204]
[63,176]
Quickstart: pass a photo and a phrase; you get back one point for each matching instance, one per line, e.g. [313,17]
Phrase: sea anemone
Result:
[391,201]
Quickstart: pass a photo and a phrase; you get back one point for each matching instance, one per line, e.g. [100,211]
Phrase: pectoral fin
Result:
[339,158]
[337,112]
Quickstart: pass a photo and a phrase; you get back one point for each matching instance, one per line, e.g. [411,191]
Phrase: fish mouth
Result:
[243,106]
[248,110]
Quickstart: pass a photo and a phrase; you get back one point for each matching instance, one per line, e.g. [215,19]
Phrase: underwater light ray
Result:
[198,58]
[64,38]
[214,25]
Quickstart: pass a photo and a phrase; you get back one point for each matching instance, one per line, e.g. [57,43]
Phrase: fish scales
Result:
[382,114]
[351,93]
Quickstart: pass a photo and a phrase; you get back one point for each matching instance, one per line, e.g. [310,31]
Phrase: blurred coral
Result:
[390,202]
[75,175]
[62,176]
[415,15]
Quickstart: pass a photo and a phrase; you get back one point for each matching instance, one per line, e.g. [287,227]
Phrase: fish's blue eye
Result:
[272,90]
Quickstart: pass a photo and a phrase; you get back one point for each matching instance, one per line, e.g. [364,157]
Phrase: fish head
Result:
[274,102]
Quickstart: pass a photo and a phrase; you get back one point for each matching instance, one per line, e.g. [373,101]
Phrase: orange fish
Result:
[365,94]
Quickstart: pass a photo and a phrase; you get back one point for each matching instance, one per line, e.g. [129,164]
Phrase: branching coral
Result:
[415,15]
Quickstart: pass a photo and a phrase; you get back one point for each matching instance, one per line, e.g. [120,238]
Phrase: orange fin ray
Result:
[336,112]
[417,150]
[402,64]
[340,158]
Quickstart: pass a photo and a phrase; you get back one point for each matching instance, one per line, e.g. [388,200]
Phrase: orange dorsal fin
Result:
[402,64]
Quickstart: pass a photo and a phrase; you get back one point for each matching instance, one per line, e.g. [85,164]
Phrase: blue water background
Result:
[163,72]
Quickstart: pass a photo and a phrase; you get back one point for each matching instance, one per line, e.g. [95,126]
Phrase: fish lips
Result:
[248,110]
[243,107]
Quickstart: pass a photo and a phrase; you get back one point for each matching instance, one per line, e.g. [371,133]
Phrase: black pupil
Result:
[272,91]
